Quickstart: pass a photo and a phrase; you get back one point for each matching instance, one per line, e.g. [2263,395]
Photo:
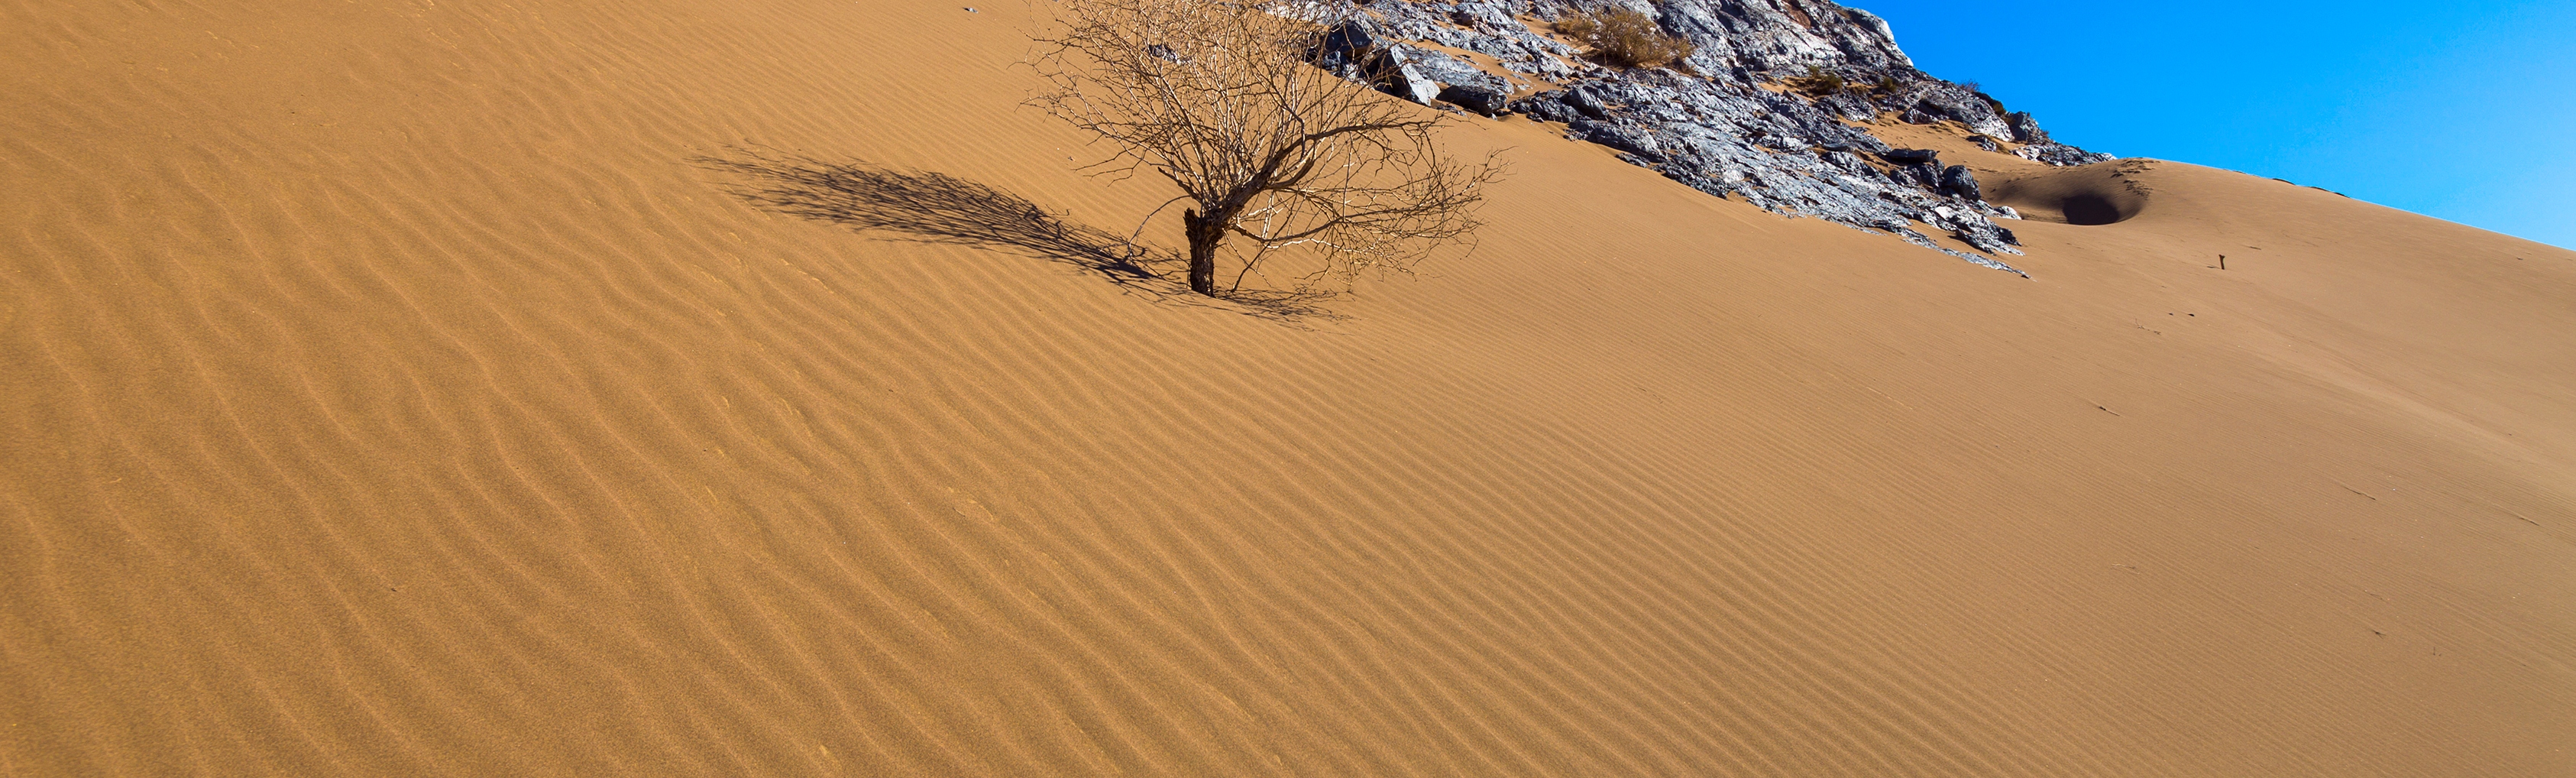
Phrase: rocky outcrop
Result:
[1720,121]
[1958,181]
[1357,50]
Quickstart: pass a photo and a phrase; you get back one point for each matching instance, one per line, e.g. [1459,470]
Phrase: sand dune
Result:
[399,387]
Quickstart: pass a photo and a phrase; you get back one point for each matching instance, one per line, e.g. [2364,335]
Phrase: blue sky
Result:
[2461,110]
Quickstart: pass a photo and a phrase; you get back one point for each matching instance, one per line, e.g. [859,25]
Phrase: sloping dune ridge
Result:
[407,387]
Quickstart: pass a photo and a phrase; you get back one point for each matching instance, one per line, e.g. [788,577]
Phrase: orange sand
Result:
[388,393]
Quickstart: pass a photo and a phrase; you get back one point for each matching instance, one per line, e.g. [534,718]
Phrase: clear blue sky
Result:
[2464,110]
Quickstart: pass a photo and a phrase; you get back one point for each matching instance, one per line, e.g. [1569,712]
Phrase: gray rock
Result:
[1926,175]
[1910,156]
[1848,162]
[1349,46]
[1633,140]
[1956,180]
[1483,17]
[1480,99]
[1448,70]
[1715,129]
[1774,35]
[1849,106]
[2060,154]
[1582,101]
[2025,129]
[1359,50]
[1407,81]
[1547,107]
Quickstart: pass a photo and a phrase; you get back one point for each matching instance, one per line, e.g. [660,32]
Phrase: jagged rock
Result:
[1773,35]
[1926,175]
[1715,128]
[1629,139]
[1583,102]
[1483,17]
[1910,156]
[1451,71]
[1849,106]
[1945,102]
[1848,163]
[1984,142]
[1546,107]
[2025,129]
[2060,154]
[1407,81]
[1347,47]
[1480,99]
[1956,180]
[1357,50]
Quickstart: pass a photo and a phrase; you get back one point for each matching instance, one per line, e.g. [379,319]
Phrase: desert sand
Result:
[406,387]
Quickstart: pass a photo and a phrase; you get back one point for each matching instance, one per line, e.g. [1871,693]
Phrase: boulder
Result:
[2025,129]
[1356,49]
[1943,101]
[1910,156]
[1958,104]
[1480,99]
[1956,180]
[1406,81]
[1350,48]
[1483,17]
[1582,100]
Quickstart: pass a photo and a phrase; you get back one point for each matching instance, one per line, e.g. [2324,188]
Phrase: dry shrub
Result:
[1625,38]
[1819,82]
[1218,97]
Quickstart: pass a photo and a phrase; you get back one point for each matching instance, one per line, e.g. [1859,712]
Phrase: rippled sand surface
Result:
[397,388]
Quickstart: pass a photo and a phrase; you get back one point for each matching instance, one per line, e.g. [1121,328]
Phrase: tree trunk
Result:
[1204,234]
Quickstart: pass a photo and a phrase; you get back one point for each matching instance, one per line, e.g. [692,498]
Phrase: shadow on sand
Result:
[930,207]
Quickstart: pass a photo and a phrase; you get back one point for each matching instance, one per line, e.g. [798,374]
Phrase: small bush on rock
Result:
[1625,38]
[1819,82]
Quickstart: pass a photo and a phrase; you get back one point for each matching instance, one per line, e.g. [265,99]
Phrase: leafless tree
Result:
[1220,98]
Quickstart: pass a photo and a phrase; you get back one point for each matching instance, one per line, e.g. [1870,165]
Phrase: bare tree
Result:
[1220,98]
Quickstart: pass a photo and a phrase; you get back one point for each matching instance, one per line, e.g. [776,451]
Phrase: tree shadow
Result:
[932,207]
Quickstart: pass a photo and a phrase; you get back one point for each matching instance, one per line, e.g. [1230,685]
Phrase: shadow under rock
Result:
[931,207]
